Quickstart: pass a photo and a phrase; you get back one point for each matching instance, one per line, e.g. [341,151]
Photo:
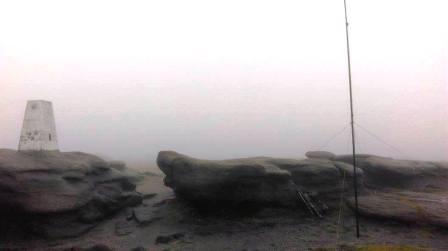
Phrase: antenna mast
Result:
[355,181]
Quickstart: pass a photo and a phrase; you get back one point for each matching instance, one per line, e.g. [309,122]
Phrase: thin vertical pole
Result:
[355,181]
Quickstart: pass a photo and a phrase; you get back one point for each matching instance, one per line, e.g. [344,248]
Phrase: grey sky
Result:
[223,79]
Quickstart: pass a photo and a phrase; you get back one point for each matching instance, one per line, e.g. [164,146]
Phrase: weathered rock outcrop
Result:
[320,155]
[253,180]
[403,190]
[404,174]
[406,206]
[53,190]
[232,181]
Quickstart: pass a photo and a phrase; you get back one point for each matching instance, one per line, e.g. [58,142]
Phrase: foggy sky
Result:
[223,79]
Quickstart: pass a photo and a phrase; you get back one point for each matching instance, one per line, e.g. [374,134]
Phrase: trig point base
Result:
[39,129]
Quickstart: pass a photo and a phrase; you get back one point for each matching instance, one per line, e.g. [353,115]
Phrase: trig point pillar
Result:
[39,129]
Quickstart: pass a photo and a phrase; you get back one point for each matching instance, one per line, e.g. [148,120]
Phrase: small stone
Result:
[144,215]
[98,247]
[165,239]
[149,196]
[124,227]
[139,249]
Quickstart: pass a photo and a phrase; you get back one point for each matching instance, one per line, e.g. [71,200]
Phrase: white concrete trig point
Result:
[39,129]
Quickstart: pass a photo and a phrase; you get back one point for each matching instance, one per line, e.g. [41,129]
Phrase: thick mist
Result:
[224,79]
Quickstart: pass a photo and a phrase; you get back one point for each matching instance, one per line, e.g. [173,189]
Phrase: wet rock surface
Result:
[411,207]
[403,190]
[97,247]
[320,155]
[124,227]
[152,225]
[165,239]
[145,214]
[405,174]
[50,191]
[252,180]
[414,192]
[139,249]
[265,228]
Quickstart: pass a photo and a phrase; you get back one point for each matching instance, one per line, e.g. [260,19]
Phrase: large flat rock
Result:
[404,190]
[55,188]
[405,174]
[411,207]
[242,180]
[255,180]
